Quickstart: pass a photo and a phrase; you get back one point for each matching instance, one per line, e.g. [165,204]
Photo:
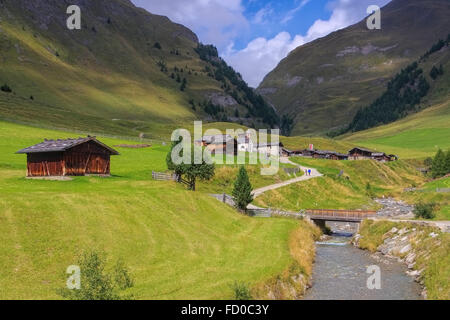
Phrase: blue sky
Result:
[253,36]
[268,18]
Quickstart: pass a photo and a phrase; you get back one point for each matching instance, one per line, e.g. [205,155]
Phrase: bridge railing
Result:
[341,214]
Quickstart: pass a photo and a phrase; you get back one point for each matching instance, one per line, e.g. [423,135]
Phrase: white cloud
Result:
[262,55]
[291,13]
[262,14]
[214,21]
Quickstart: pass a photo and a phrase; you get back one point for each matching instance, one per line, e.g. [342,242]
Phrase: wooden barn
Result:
[360,154]
[70,157]
[365,154]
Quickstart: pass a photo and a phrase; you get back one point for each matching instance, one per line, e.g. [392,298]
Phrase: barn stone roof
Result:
[62,145]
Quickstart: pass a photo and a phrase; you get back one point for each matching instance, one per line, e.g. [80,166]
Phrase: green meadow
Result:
[417,136]
[177,244]
[344,185]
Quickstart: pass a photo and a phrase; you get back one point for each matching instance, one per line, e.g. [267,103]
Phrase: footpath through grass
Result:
[345,185]
[177,244]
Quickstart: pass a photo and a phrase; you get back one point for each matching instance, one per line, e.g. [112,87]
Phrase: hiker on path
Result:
[309,172]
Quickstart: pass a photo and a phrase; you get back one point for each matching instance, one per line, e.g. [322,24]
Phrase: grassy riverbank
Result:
[428,254]
[292,283]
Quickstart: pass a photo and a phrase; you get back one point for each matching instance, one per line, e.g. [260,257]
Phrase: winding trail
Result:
[314,174]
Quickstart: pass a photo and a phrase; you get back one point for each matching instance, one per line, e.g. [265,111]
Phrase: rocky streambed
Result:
[341,273]
[394,208]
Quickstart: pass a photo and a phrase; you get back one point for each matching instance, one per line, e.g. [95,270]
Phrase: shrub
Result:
[96,283]
[425,210]
[241,291]
[5,88]
[369,191]
[428,162]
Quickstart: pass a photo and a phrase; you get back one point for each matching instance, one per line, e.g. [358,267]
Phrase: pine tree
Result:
[439,164]
[447,162]
[242,192]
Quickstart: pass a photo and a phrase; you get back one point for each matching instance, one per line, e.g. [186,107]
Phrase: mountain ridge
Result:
[322,84]
[126,71]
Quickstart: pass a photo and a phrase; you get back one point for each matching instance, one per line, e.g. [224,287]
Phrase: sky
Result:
[253,36]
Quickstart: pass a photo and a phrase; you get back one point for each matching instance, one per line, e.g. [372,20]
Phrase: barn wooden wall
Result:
[45,164]
[87,158]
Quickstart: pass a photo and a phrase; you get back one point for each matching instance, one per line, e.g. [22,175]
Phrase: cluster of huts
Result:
[226,144]
[354,154]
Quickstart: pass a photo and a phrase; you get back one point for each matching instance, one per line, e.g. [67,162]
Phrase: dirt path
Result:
[314,174]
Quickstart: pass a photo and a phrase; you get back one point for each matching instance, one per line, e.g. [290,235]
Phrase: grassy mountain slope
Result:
[421,134]
[121,73]
[417,136]
[178,244]
[323,83]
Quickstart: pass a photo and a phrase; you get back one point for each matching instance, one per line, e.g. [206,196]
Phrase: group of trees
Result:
[436,47]
[436,72]
[243,94]
[403,94]
[5,88]
[440,165]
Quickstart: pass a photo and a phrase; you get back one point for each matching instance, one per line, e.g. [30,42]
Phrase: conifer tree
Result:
[242,192]
[439,164]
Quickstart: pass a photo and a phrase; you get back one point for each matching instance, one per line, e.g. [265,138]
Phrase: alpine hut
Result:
[70,157]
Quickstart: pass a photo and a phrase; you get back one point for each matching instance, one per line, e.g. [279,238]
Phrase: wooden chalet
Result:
[326,154]
[360,154]
[366,154]
[70,157]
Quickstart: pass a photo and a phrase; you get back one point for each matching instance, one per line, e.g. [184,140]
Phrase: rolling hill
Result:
[323,83]
[125,72]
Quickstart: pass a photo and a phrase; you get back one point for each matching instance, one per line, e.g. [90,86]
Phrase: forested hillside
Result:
[406,90]
[126,72]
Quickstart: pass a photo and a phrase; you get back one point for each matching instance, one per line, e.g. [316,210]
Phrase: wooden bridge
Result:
[339,215]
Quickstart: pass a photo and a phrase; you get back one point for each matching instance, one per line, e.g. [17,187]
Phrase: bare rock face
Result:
[221,99]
